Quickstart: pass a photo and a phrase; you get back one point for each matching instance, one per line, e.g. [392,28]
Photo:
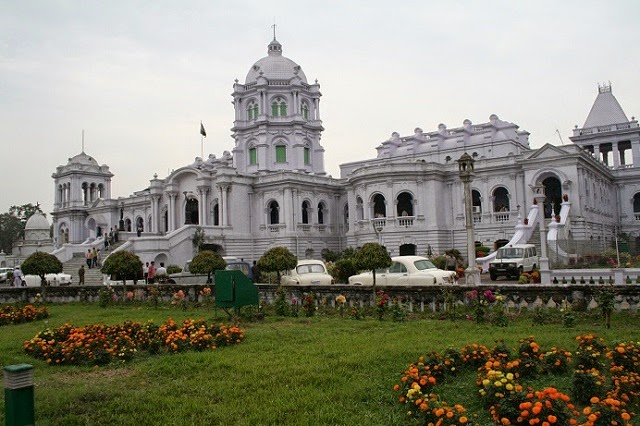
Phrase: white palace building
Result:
[272,189]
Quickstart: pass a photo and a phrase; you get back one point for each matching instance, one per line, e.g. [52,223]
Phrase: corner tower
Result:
[277,122]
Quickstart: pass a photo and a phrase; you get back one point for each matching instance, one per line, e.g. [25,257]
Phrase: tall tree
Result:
[207,262]
[12,224]
[40,263]
[372,256]
[123,265]
[277,259]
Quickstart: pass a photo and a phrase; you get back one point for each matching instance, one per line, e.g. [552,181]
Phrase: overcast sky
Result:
[138,76]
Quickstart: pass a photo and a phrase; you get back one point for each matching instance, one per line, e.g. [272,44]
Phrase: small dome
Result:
[83,158]
[275,66]
[37,221]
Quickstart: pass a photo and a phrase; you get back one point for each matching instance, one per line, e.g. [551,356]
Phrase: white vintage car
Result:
[52,280]
[307,272]
[406,270]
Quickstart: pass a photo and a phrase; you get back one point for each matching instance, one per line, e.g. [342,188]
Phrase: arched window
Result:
[253,156]
[307,156]
[501,200]
[274,213]
[346,217]
[305,212]
[92,192]
[281,153]
[100,191]
[636,206]
[405,204]
[476,201]
[321,210]
[140,224]
[85,193]
[305,111]
[216,215]
[252,111]
[279,108]
[379,206]
[127,225]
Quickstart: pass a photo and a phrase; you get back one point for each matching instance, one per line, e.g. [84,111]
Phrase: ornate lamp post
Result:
[465,168]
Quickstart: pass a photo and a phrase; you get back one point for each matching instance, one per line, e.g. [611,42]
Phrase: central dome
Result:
[275,66]
[37,221]
[83,158]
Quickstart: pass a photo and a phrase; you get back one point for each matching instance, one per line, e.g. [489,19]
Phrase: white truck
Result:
[512,260]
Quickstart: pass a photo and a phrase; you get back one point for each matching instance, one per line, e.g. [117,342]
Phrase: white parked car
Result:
[53,280]
[406,270]
[307,272]
[3,274]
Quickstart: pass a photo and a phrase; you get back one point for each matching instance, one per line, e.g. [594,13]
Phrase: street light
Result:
[465,169]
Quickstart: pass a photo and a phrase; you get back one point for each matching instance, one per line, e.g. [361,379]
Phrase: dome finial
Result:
[274,27]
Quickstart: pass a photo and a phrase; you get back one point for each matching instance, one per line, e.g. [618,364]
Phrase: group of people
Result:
[150,272]
[111,238]
[93,257]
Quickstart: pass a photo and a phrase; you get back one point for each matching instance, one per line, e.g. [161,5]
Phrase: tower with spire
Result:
[607,133]
[277,123]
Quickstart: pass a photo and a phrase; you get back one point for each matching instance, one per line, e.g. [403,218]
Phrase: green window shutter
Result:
[249,113]
[253,156]
[307,155]
[283,109]
[281,154]
[274,109]
[255,111]
[305,112]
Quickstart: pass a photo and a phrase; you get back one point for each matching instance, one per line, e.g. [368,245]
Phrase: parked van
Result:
[513,260]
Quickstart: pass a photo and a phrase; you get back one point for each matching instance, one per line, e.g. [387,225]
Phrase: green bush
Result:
[173,269]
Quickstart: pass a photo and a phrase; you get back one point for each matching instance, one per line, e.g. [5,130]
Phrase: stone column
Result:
[223,207]
[153,225]
[615,154]
[171,225]
[635,152]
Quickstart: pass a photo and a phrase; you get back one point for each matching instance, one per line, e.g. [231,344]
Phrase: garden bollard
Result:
[18,395]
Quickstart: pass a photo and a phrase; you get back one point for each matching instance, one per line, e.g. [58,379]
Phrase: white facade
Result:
[273,190]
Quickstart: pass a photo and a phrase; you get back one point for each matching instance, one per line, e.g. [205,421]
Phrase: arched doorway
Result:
[191,212]
[553,194]
[408,250]
[405,204]
[321,210]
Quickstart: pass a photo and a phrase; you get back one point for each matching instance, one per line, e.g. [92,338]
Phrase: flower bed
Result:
[605,384]
[10,314]
[100,344]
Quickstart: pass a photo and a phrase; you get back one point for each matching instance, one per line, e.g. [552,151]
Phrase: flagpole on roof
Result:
[203,134]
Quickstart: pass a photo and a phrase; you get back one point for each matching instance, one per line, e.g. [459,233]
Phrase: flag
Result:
[202,131]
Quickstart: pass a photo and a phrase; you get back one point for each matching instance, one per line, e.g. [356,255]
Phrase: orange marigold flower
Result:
[463,420]
[552,419]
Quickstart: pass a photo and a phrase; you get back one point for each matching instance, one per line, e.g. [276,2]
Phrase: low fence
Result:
[517,297]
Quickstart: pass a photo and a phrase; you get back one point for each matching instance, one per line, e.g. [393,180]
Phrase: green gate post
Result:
[18,395]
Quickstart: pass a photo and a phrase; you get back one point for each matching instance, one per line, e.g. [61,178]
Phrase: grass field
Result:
[323,370]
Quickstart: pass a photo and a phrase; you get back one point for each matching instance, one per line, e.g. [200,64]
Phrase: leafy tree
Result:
[372,256]
[277,259]
[329,255]
[198,238]
[40,263]
[206,262]
[12,224]
[344,266]
[123,265]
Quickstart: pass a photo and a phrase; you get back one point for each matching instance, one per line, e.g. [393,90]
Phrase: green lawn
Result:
[293,371]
